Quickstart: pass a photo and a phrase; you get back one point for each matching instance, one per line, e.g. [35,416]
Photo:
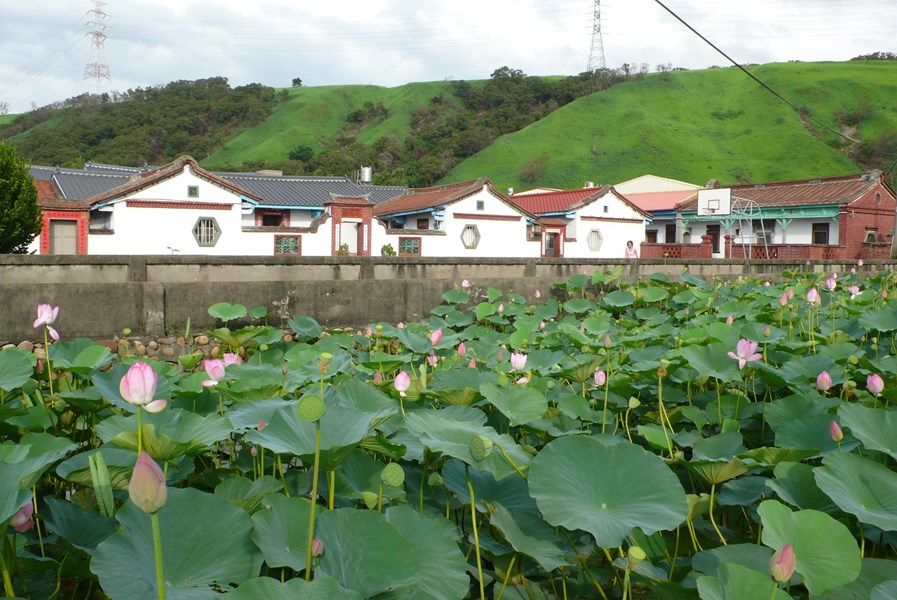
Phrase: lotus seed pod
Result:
[636,555]
[326,357]
[393,475]
[370,499]
[434,479]
[634,402]
[853,359]
[530,449]
[311,408]
[480,447]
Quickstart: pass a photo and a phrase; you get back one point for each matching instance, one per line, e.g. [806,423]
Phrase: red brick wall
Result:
[702,250]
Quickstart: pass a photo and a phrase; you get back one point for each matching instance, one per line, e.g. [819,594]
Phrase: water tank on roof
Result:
[589,184]
[367,174]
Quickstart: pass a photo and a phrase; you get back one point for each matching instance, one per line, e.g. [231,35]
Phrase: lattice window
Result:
[594,240]
[287,244]
[193,191]
[409,246]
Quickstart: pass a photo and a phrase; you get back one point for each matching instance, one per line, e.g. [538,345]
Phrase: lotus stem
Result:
[606,392]
[139,431]
[279,466]
[582,563]
[49,365]
[7,580]
[331,483]
[40,537]
[510,460]
[476,534]
[712,520]
[504,582]
[157,550]
[314,499]
[663,418]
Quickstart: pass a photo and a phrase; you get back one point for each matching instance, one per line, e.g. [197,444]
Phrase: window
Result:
[409,246]
[193,191]
[100,221]
[423,223]
[878,198]
[470,237]
[594,240]
[481,205]
[287,244]
[820,233]
[871,237]
[606,209]
[765,227]
[206,231]
[651,236]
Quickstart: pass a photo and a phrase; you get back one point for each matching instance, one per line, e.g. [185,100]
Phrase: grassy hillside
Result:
[698,125]
[313,116]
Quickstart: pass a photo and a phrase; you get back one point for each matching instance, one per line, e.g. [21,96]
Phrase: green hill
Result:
[519,131]
[698,125]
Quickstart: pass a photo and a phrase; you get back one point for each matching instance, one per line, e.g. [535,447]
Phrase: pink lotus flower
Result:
[537,294]
[730,319]
[835,275]
[317,547]
[518,361]
[790,293]
[402,383]
[368,332]
[884,293]
[813,296]
[542,325]
[378,378]
[261,426]
[462,350]
[766,284]
[147,486]
[523,380]
[854,291]
[600,378]
[831,283]
[472,364]
[782,564]
[501,308]
[853,271]
[138,387]
[824,382]
[860,263]
[834,430]
[745,352]
[46,314]
[22,521]
[465,284]
[232,358]
[432,360]
[400,325]
[214,369]
[875,384]
[783,299]
[436,337]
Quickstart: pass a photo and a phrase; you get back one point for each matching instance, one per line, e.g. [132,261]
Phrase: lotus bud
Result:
[501,308]
[147,488]
[730,319]
[542,325]
[214,368]
[400,325]
[436,337]
[317,547]
[607,341]
[537,294]
[782,564]
[813,296]
[472,364]
[432,360]
[22,521]
[783,299]
[860,262]
[518,361]
[499,357]
[262,425]
[600,378]
[465,284]
[253,452]
[402,383]
[835,431]
[875,384]
[824,382]
[766,331]
[462,350]
[378,378]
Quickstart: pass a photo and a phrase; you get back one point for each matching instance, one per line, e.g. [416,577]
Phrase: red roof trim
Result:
[479,217]
[167,204]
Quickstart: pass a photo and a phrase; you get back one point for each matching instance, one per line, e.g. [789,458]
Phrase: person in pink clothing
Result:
[631,252]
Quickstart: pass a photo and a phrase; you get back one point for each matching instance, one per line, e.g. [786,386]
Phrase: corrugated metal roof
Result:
[837,190]
[78,185]
[653,201]
[279,190]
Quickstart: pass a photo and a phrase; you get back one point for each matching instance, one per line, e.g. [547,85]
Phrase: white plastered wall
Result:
[614,233]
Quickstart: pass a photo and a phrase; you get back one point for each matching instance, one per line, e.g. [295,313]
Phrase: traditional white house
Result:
[585,223]
[659,196]
[463,219]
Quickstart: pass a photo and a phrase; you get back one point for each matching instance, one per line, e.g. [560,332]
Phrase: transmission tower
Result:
[97,71]
[596,52]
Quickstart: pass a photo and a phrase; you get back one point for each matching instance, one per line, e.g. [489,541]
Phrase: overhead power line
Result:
[755,78]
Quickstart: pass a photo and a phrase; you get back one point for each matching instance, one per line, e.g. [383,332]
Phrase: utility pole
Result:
[596,52]
[97,71]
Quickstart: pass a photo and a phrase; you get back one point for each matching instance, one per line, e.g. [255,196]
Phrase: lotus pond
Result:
[605,439]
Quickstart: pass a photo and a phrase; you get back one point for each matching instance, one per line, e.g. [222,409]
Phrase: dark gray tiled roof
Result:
[275,190]
[80,185]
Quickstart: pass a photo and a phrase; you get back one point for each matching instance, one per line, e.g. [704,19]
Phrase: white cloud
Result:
[44,47]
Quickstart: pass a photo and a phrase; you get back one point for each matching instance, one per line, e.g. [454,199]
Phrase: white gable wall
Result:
[616,222]
[653,183]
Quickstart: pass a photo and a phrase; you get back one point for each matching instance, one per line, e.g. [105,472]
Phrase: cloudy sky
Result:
[45,45]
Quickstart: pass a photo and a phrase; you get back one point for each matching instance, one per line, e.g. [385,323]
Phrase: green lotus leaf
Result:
[530,535]
[84,529]
[796,485]
[861,487]
[580,483]
[227,311]
[737,582]
[654,294]
[16,367]
[205,542]
[119,462]
[885,591]
[578,305]
[443,570]
[89,359]
[305,327]
[876,428]
[883,320]
[166,435]
[320,588]
[772,456]
[874,571]
[281,530]
[22,464]
[712,360]
[751,556]
[619,298]
[359,472]
[246,493]
[440,432]
[365,553]
[808,433]
[826,552]
[522,405]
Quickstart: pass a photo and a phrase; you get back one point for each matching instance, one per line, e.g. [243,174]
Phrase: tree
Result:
[297,82]
[20,215]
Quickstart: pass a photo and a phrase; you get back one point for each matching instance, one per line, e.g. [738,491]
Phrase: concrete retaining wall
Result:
[99,296]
